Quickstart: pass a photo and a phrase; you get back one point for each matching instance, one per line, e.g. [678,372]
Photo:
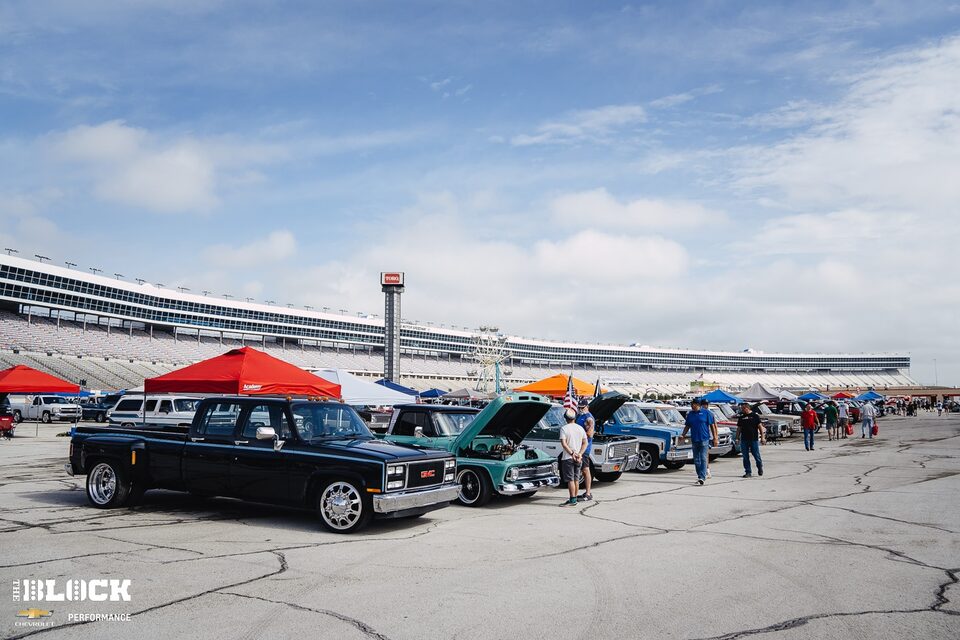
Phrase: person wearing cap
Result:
[586,421]
[698,426]
[573,439]
[705,407]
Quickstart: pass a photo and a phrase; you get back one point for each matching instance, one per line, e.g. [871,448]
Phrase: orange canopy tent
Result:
[843,395]
[24,379]
[556,387]
[243,371]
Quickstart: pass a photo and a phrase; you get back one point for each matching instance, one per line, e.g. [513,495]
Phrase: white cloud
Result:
[276,247]
[599,208]
[591,124]
[676,99]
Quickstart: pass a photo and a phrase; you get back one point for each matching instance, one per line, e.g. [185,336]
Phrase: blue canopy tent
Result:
[813,396]
[869,396]
[397,387]
[719,395]
[433,393]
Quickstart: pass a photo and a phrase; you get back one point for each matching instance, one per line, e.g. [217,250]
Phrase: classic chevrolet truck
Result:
[611,454]
[658,442]
[487,443]
[298,453]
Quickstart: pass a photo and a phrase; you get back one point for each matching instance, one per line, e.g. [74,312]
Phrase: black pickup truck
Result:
[297,453]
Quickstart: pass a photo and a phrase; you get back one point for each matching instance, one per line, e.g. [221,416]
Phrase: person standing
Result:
[698,426]
[588,424]
[705,407]
[939,408]
[868,417]
[832,417]
[809,421]
[573,439]
[750,435]
[844,418]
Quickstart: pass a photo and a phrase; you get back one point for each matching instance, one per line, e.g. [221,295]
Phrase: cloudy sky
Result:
[781,176]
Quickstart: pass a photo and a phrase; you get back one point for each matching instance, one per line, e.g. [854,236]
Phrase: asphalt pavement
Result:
[856,539]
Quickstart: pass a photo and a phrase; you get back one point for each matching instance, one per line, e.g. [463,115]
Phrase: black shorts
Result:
[568,470]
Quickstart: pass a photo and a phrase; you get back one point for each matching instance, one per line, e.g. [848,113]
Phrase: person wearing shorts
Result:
[844,420]
[573,439]
[831,414]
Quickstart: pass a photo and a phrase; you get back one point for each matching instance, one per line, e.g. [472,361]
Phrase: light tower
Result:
[490,350]
[391,283]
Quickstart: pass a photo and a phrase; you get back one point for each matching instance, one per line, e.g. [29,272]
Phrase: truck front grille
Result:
[624,449]
[535,471]
[424,474]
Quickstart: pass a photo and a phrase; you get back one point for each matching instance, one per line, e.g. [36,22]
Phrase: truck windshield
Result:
[553,418]
[671,415]
[54,400]
[450,423]
[764,409]
[319,420]
[629,414]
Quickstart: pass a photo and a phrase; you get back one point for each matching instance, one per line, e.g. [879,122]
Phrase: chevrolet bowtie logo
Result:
[33,614]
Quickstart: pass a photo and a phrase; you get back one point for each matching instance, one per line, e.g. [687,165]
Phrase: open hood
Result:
[604,405]
[511,416]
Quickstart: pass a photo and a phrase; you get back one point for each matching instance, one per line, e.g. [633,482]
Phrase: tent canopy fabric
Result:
[360,392]
[244,371]
[390,384]
[432,393]
[786,395]
[468,394]
[867,396]
[24,379]
[719,395]
[843,395]
[813,395]
[758,392]
[556,387]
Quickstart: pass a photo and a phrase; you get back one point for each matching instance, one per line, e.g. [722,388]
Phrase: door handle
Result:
[238,442]
[196,439]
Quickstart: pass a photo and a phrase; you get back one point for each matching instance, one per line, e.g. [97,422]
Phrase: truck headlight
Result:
[396,484]
[513,473]
[395,470]
[555,467]
[610,452]
[450,464]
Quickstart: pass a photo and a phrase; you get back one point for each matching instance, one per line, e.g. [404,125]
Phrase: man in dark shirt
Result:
[750,435]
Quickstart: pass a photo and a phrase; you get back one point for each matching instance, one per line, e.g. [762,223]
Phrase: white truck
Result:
[45,408]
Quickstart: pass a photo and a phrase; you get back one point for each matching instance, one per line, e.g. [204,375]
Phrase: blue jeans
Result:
[808,438]
[866,427]
[700,448]
[746,448]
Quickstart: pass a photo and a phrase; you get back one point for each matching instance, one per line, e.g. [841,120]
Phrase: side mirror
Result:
[267,433]
[418,432]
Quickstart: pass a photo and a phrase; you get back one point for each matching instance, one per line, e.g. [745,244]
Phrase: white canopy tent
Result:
[786,395]
[758,392]
[357,391]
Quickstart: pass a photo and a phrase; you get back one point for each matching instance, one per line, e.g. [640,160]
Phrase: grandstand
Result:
[112,334]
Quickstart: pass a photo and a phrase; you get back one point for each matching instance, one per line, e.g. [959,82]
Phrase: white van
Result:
[162,411]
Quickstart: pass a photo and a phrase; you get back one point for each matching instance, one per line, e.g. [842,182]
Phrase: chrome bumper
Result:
[628,463]
[721,449]
[390,502]
[677,455]
[513,488]
[68,468]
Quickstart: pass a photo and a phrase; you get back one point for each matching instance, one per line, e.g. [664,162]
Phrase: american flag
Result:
[570,400]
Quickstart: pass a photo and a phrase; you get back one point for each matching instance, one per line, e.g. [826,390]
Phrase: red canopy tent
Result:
[244,371]
[24,379]
[843,395]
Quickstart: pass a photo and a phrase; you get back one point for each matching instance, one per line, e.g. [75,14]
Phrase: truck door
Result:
[208,452]
[405,428]
[258,472]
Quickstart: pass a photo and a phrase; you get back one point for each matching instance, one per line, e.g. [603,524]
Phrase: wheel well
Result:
[476,469]
[321,479]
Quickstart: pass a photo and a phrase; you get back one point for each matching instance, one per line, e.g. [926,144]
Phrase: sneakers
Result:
[708,474]
[586,497]
[700,482]
[572,502]
[747,475]
[759,472]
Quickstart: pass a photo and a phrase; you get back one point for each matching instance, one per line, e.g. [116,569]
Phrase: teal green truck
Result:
[488,444]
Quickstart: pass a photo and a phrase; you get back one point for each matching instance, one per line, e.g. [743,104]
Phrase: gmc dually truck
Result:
[297,453]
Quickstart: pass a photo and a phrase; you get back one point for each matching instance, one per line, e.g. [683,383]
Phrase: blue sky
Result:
[788,163]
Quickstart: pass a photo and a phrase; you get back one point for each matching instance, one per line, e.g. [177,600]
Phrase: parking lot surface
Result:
[856,539]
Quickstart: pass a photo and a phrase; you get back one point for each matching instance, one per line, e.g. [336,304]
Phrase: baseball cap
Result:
[583,402]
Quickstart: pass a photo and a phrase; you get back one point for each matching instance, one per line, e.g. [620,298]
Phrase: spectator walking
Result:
[844,418]
[588,424]
[573,439]
[705,407]
[750,435]
[809,421]
[698,426]
[868,417]
[832,417]
[939,408]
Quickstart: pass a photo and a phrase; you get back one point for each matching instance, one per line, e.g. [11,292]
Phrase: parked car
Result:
[96,409]
[659,443]
[161,410]
[488,443]
[296,453]
[784,422]
[45,408]
[7,425]
[611,454]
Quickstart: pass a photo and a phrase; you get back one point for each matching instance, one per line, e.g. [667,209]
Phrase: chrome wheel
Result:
[645,460]
[469,486]
[102,484]
[341,506]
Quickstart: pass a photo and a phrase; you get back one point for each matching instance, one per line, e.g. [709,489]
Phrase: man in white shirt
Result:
[573,439]
[868,417]
[844,410]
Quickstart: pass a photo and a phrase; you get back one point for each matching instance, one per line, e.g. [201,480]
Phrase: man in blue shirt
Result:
[698,426]
[585,420]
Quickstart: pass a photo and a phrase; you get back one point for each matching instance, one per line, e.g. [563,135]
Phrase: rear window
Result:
[128,405]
